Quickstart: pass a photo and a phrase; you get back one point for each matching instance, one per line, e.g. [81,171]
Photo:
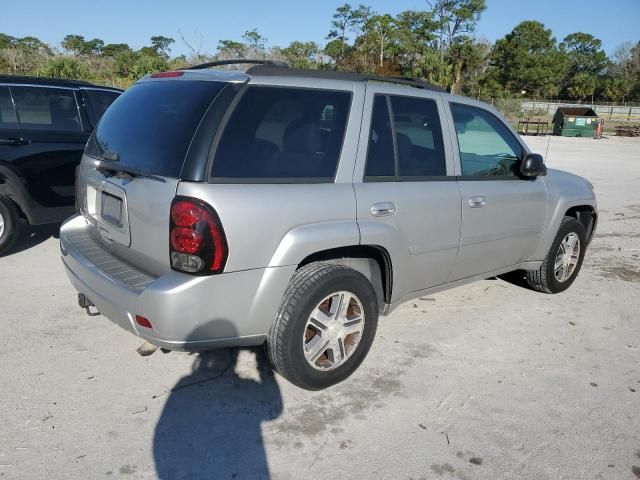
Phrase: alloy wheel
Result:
[567,257]
[333,331]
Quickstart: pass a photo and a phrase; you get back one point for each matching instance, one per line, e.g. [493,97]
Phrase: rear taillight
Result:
[197,243]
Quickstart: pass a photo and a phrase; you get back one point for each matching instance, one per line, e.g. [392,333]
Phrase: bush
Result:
[65,67]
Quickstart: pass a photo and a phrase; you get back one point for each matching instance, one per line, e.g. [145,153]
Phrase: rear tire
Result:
[325,326]
[562,263]
[8,225]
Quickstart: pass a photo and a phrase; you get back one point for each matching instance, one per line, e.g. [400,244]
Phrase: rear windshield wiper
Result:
[112,168]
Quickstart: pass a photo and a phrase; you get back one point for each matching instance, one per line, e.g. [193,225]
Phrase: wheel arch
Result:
[586,215]
[584,210]
[372,261]
[11,189]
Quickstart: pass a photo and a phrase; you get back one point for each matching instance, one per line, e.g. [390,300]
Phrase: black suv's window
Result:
[7,113]
[418,150]
[97,103]
[41,108]
[487,148]
[150,126]
[279,132]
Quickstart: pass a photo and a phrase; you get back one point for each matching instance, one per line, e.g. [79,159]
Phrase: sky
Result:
[281,21]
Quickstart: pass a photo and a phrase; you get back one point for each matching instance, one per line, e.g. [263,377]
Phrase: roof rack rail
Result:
[42,80]
[239,61]
[268,70]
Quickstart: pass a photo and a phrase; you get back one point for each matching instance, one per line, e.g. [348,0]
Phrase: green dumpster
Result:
[575,122]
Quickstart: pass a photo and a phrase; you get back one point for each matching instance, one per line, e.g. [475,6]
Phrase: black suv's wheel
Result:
[562,264]
[8,224]
[325,326]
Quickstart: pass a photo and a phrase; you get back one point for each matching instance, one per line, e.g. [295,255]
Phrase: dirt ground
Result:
[486,381]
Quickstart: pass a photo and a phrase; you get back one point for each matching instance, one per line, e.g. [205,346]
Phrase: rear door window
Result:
[52,109]
[380,155]
[283,133]
[97,102]
[151,125]
[7,113]
[419,137]
[405,142]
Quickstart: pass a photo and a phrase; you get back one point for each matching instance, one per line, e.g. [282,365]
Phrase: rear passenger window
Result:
[380,155]
[418,150]
[419,138]
[46,109]
[7,113]
[283,133]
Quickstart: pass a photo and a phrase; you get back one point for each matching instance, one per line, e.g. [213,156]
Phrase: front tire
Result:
[325,326]
[564,260]
[8,225]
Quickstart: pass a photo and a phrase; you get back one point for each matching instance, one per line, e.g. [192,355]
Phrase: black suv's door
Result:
[41,146]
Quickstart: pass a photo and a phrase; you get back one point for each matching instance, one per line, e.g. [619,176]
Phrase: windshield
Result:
[150,126]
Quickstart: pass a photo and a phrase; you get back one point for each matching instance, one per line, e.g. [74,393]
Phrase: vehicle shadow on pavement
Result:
[211,424]
[31,235]
[517,278]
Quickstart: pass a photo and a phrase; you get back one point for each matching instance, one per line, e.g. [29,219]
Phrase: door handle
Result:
[383,209]
[477,202]
[15,141]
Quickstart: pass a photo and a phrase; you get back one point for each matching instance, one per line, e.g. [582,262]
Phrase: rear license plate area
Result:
[111,209]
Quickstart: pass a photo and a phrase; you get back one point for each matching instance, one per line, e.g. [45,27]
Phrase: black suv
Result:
[44,126]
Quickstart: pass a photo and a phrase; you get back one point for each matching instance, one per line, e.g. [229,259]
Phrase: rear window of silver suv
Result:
[151,125]
[283,133]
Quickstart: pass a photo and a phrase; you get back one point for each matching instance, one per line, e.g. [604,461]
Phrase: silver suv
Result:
[290,208]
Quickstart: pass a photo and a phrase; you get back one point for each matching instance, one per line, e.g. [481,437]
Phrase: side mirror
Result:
[533,166]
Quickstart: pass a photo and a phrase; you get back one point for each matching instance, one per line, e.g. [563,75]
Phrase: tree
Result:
[255,40]
[333,50]
[343,20]
[415,34]
[584,53]
[301,54]
[611,88]
[77,45]
[94,46]
[32,45]
[582,85]
[528,59]
[585,62]
[112,49]
[73,44]
[468,60]
[6,41]
[435,69]
[455,17]
[626,67]
[161,45]
[382,28]
[197,55]
[228,49]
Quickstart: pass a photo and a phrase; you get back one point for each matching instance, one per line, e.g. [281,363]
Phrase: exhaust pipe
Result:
[86,304]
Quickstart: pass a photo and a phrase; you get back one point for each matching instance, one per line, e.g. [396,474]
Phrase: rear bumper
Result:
[186,312]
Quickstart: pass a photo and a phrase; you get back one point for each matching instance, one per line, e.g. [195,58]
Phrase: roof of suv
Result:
[268,70]
[51,82]
[273,68]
